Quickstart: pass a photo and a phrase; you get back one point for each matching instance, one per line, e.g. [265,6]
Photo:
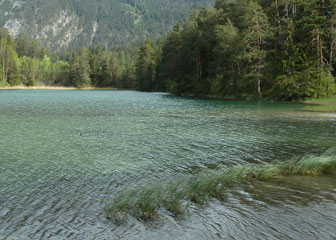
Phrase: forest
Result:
[281,49]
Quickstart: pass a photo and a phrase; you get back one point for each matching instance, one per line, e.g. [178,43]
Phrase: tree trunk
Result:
[259,86]
[258,78]
[223,85]
[278,22]
[318,50]
[331,56]
[294,10]
[6,76]
[199,65]
[236,79]
[332,44]
[3,76]
[321,53]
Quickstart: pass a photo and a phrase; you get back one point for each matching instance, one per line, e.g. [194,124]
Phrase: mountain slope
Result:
[73,24]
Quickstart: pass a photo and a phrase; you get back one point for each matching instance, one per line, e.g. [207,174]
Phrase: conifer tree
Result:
[146,66]
[81,69]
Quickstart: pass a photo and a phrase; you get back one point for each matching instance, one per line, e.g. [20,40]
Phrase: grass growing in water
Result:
[327,104]
[145,202]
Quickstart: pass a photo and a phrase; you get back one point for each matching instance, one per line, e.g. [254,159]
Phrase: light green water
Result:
[65,154]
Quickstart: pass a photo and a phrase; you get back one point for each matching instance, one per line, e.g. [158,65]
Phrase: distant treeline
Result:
[25,62]
[280,49]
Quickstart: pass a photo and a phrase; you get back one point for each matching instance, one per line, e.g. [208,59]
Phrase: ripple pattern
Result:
[65,154]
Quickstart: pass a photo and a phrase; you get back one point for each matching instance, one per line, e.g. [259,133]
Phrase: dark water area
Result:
[64,155]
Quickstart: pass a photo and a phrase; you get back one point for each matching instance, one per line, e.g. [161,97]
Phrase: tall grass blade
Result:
[145,202]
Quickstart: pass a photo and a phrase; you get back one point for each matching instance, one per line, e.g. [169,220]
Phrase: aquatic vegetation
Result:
[145,202]
[326,104]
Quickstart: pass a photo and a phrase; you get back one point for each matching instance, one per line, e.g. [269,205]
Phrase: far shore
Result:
[53,88]
[325,106]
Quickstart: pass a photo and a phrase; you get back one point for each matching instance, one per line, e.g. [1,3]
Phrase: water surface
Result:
[65,154]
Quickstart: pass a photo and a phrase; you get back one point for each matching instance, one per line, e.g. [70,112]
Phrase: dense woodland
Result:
[280,49]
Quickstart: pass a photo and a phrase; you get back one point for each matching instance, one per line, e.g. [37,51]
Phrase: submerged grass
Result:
[145,202]
[326,104]
[22,87]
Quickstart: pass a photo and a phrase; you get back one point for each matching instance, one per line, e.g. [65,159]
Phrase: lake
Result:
[66,154]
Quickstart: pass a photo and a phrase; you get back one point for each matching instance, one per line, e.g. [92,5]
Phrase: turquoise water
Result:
[65,154]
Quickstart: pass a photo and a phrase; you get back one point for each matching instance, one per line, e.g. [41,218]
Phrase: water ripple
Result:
[65,154]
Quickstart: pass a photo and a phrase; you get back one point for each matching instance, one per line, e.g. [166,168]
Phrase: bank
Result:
[323,105]
[21,87]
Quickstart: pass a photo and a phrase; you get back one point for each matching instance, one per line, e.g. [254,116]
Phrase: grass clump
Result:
[145,202]
[142,202]
[173,197]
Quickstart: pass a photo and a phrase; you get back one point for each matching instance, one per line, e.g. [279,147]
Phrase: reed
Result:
[144,202]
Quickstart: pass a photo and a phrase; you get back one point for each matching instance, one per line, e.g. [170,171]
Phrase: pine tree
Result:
[190,67]
[255,36]
[169,60]
[146,66]
[81,69]
[226,64]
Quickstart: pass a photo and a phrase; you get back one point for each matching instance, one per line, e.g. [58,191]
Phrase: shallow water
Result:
[65,154]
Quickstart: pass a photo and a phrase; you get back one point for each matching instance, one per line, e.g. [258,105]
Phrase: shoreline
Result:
[325,106]
[55,88]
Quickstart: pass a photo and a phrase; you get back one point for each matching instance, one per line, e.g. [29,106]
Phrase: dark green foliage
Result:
[145,202]
[169,58]
[146,66]
[80,69]
[279,49]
